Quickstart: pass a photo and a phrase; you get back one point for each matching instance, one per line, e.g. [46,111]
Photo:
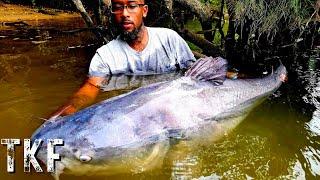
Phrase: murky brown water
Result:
[278,140]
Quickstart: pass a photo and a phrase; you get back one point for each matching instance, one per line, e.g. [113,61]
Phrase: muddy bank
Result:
[10,13]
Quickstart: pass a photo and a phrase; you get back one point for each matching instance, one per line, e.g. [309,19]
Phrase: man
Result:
[138,49]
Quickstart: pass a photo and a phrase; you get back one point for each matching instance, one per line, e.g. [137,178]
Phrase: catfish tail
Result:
[209,69]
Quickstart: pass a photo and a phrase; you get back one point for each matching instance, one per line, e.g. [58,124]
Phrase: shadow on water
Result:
[40,68]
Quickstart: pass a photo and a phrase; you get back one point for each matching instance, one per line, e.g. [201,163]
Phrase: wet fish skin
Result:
[132,132]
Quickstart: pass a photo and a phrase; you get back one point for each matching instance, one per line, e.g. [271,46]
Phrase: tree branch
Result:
[202,11]
[88,20]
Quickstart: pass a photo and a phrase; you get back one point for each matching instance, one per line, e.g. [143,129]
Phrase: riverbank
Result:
[10,13]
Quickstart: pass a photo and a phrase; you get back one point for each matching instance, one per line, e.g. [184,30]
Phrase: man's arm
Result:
[84,96]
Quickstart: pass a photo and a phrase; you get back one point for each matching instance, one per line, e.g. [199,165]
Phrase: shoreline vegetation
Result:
[240,30]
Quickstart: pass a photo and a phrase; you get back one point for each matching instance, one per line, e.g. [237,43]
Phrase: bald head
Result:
[128,1]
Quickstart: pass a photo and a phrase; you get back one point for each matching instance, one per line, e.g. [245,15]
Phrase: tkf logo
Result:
[29,153]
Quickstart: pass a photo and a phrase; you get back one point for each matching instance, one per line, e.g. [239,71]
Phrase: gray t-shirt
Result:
[165,51]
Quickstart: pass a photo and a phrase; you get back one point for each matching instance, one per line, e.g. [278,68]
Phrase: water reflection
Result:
[311,152]
[130,82]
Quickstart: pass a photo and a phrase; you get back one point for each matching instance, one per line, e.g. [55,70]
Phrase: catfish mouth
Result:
[59,169]
[68,166]
[59,165]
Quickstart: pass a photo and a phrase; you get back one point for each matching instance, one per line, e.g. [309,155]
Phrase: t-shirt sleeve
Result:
[98,67]
[184,54]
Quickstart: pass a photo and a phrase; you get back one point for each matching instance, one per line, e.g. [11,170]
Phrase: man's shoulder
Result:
[115,43]
[162,31]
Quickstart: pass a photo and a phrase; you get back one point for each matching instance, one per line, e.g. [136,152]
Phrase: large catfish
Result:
[132,132]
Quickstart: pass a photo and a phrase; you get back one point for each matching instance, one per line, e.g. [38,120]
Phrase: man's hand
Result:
[84,96]
[283,78]
[62,111]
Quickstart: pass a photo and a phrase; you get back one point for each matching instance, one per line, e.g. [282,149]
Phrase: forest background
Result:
[243,31]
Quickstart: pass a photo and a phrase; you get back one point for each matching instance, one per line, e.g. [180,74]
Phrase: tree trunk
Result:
[219,25]
[206,26]
[230,37]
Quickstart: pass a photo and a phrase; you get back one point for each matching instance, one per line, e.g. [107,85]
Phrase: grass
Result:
[270,18]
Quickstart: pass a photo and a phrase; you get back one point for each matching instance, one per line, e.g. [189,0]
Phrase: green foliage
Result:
[195,26]
[269,17]
[193,47]
[217,37]
[213,3]
[296,5]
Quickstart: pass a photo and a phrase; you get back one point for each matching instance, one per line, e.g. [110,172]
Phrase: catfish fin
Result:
[209,69]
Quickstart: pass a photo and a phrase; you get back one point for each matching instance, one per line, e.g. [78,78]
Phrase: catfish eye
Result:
[85,158]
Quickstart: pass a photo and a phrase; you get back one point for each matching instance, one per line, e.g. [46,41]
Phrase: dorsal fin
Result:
[209,69]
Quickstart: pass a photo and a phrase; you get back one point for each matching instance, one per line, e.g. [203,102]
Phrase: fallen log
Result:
[207,47]
[198,55]
[15,24]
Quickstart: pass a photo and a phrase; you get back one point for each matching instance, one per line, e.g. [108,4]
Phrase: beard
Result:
[130,36]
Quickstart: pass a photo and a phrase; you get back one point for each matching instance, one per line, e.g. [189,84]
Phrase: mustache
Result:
[126,21]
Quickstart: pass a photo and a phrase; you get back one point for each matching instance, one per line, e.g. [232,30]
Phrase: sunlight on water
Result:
[312,154]
[235,157]
[312,157]
[314,124]
[182,169]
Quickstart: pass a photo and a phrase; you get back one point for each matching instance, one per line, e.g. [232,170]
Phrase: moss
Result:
[193,25]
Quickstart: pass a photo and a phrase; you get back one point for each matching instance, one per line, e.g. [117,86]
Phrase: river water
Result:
[41,67]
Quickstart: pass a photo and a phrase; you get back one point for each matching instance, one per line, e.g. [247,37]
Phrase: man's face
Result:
[129,23]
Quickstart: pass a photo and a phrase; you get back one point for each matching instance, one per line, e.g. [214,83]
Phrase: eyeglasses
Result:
[119,8]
